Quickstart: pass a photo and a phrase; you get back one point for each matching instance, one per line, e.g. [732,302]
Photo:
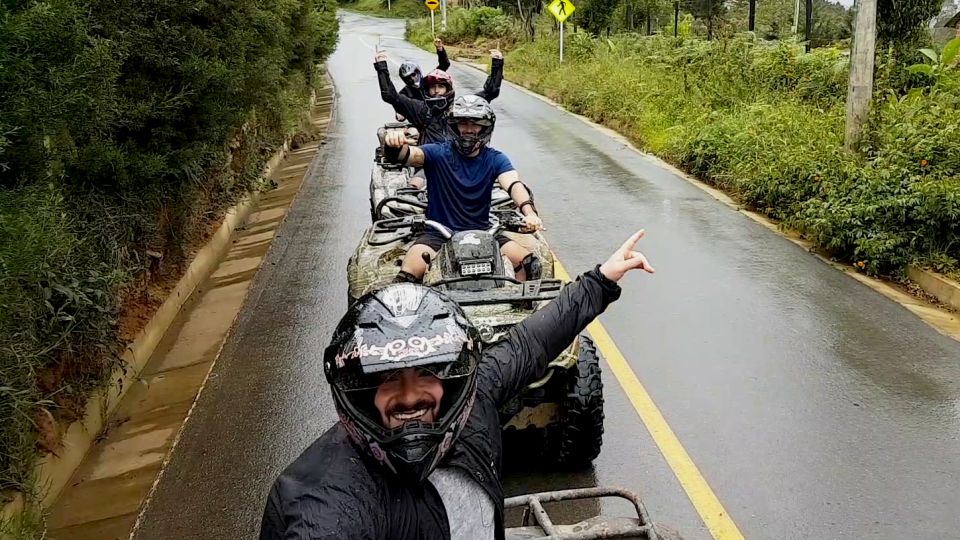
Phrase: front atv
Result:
[558,420]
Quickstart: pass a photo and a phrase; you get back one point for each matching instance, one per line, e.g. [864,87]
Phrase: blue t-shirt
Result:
[459,187]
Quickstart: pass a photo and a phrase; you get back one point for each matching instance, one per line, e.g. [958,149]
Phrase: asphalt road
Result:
[811,405]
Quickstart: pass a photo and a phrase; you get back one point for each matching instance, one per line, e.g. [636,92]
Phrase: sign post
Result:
[561,10]
[433,5]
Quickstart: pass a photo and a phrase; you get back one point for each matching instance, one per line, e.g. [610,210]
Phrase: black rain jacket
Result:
[332,491]
[433,127]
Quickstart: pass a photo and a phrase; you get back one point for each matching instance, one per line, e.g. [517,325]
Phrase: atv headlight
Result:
[476,268]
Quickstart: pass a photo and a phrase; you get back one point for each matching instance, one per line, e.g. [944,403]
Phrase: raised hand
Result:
[626,259]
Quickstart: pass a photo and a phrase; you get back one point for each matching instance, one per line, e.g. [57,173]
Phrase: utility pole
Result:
[753,15]
[443,15]
[676,17]
[809,31]
[796,19]
[860,88]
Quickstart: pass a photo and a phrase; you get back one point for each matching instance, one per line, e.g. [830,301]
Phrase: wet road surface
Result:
[812,406]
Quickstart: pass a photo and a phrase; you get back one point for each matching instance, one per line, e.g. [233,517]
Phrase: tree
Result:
[595,15]
[831,22]
[902,26]
[525,10]
[639,14]
[710,11]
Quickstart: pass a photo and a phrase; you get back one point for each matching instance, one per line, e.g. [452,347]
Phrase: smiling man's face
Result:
[407,395]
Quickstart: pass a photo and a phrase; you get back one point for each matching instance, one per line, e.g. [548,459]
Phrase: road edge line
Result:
[705,501]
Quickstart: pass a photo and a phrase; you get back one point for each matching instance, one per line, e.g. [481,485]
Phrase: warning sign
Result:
[561,9]
[432,4]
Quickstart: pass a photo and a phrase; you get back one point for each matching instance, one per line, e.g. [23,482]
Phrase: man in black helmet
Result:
[411,75]
[417,451]
[461,174]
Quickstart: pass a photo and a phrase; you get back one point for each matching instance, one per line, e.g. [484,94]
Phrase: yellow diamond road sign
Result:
[432,4]
[561,9]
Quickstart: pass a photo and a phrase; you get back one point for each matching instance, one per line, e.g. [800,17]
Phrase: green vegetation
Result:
[764,121]
[125,130]
[398,9]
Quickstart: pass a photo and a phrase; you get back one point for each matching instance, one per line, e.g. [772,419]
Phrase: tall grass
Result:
[764,121]
[397,9]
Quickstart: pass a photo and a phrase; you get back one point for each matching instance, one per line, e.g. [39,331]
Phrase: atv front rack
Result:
[521,291]
[597,528]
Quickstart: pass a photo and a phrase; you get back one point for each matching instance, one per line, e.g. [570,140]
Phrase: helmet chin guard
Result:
[475,110]
[403,326]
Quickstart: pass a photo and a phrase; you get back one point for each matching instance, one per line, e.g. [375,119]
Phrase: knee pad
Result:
[532,266]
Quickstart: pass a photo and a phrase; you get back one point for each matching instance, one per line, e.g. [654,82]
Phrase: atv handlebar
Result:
[414,224]
[446,233]
[378,211]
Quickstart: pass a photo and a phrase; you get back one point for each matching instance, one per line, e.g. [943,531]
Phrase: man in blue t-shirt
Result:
[460,178]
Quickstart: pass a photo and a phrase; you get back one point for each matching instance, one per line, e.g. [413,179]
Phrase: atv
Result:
[557,421]
[390,182]
[391,194]
[595,528]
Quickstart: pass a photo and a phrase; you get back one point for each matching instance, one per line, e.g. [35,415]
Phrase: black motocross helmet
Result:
[400,326]
[477,110]
[410,74]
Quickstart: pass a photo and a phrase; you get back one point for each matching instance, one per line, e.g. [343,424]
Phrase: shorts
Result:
[434,241]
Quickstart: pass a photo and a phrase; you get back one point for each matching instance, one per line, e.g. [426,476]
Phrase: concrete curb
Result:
[937,285]
[53,472]
[196,399]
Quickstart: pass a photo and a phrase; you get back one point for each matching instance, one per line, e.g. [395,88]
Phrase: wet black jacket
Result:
[434,127]
[333,491]
[443,63]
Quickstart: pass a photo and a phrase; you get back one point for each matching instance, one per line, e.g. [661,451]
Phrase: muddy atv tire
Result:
[575,441]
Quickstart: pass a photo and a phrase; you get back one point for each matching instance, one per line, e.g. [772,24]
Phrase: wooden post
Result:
[809,30]
[796,19]
[753,15]
[860,88]
[676,18]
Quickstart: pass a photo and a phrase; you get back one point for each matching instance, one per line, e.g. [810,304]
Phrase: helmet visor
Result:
[359,377]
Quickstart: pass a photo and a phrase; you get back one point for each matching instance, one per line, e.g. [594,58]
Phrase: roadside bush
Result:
[122,136]
[765,122]
[468,27]
[397,9]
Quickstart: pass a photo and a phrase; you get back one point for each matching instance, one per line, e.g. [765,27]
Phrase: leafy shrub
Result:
[119,135]
[765,122]
[467,26]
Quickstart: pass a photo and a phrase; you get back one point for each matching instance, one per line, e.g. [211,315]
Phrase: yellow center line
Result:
[716,518]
